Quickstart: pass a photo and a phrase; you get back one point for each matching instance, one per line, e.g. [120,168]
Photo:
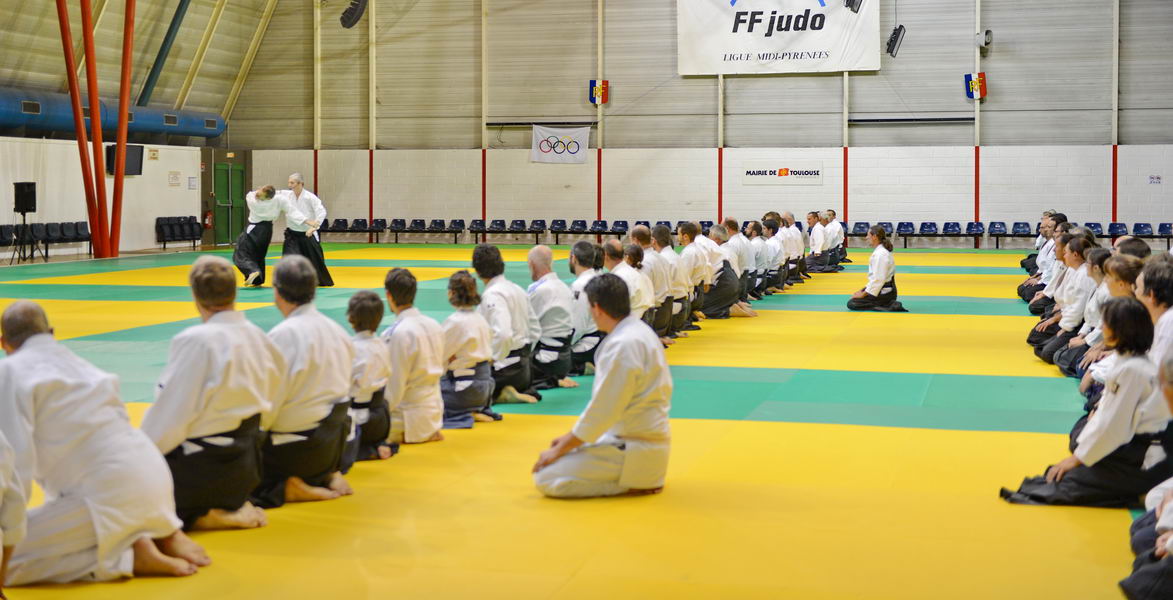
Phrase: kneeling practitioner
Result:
[370,416]
[586,336]
[880,292]
[621,442]
[206,419]
[551,302]
[416,343]
[309,425]
[110,507]
[514,326]
[467,385]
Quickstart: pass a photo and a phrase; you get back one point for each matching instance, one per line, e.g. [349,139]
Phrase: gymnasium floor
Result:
[817,453]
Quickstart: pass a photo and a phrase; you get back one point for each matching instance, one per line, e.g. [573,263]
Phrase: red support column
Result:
[100,235]
[79,126]
[370,192]
[484,189]
[1115,178]
[123,107]
[720,183]
[977,190]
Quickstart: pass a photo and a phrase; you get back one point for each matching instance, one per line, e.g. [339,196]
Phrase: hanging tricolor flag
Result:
[599,92]
[975,85]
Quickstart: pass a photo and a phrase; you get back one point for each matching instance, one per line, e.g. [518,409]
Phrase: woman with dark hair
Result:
[467,384]
[1120,274]
[880,292]
[1116,454]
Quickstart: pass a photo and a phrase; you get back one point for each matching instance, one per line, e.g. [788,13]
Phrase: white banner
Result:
[777,36]
[782,172]
[560,146]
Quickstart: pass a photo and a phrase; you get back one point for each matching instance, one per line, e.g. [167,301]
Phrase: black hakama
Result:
[470,391]
[297,242]
[314,459]
[884,302]
[723,294]
[1115,481]
[519,374]
[218,476]
[579,360]
[251,248]
[546,375]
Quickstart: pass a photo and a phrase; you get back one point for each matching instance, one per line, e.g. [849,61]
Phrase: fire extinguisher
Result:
[208,224]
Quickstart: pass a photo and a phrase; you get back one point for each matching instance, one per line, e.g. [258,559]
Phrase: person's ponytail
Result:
[881,235]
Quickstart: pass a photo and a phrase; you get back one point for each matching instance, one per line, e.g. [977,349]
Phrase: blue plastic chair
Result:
[1142,230]
[599,227]
[886,226]
[578,226]
[905,228]
[1095,228]
[860,229]
[952,228]
[1117,229]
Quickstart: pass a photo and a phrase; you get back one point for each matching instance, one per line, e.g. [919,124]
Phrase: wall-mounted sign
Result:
[782,172]
[599,92]
[173,178]
[152,154]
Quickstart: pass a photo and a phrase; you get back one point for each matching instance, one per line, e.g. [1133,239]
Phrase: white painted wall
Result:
[1020,182]
[750,202]
[922,183]
[1139,200]
[55,167]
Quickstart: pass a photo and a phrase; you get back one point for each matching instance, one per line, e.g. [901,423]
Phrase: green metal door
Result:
[230,210]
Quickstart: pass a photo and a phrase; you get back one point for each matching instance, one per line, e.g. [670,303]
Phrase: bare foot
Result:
[510,395]
[245,517]
[436,437]
[149,560]
[297,490]
[178,545]
[588,369]
[667,341]
[480,417]
[567,382]
[644,492]
[737,310]
[384,452]
[338,484]
[700,316]
[681,334]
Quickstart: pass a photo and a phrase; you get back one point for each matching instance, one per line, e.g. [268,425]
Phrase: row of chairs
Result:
[998,230]
[455,227]
[41,235]
[178,229]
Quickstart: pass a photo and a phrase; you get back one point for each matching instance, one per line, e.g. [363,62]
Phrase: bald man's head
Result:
[541,261]
[612,253]
[21,321]
[641,235]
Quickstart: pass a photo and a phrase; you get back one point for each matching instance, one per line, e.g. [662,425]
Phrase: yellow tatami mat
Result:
[866,341]
[78,318]
[789,511]
[918,284]
[176,276]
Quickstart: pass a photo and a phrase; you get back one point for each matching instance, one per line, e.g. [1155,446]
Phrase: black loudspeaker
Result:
[26,196]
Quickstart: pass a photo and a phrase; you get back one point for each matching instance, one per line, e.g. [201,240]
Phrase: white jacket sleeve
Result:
[180,393]
[12,498]
[1111,426]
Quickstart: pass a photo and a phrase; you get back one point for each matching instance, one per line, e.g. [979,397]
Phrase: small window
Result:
[209,123]
[129,117]
[170,119]
[30,107]
[85,112]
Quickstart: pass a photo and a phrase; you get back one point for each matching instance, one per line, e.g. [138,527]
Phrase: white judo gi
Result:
[639,287]
[416,345]
[319,358]
[625,426]
[585,336]
[12,500]
[105,483]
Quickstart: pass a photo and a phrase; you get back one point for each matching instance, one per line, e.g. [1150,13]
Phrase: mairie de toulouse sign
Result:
[781,172]
[777,36]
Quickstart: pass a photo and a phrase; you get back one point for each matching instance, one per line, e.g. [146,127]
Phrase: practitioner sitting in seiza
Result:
[1122,273]
[1151,536]
[679,281]
[514,326]
[109,509]
[552,303]
[1116,453]
[416,345]
[694,265]
[1070,300]
[620,443]
[586,336]
[209,402]
[1068,357]
[659,272]
[301,227]
[309,425]
[880,292]
[369,414]
[626,266]
[264,206]
[467,384]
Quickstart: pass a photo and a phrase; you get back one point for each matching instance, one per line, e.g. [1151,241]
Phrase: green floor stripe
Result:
[929,401]
[925,305]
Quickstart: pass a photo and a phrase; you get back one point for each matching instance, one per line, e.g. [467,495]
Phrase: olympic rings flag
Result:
[777,36]
[561,146]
